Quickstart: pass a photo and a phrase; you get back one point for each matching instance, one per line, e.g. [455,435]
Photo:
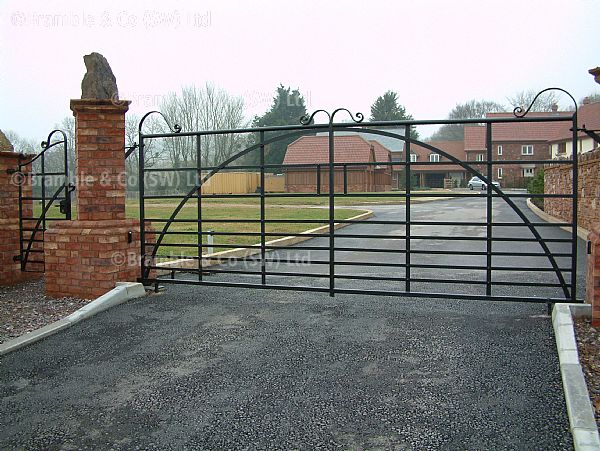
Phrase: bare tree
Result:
[206,108]
[473,109]
[524,99]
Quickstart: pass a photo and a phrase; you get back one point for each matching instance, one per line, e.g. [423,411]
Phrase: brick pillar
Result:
[85,258]
[100,160]
[10,270]
[592,289]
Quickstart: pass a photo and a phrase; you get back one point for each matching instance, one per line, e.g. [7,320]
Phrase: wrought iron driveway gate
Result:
[400,266]
[40,192]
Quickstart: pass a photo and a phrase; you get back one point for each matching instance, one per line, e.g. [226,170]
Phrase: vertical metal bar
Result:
[345,178]
[23,180]
[489,212]
[67,184]
[43,190]
[263,269]
[199,205]
[318,179]
[574,222]
[407,183]
[331,211]
[141,170]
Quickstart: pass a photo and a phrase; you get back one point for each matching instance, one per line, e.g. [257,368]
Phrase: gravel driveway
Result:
[220,368]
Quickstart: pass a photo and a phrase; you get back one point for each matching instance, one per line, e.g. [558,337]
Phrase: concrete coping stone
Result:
[124,291]
[579,408]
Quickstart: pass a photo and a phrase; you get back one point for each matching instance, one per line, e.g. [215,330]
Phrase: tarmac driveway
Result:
[218,368]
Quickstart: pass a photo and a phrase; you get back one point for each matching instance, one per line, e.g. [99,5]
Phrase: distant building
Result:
[520,142]
[306,165]
[561,141]
[431,175]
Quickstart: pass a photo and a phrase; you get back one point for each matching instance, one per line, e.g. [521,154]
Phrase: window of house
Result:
[479,157]
[500,173]
[528,172]
[434,157]
[527,150]
[413,157]
[499,150]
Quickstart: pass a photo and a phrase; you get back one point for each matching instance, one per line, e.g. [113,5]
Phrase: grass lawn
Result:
[231,212]
[223,210]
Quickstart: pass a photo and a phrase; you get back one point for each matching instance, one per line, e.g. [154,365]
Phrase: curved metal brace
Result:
[506,199]
[190,194]
[176,128]
[519,112]
[129,150]
[39,221]
[46,145]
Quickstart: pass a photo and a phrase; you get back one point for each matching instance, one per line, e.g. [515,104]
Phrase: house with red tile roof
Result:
[436,167]
[561,143]
[360,165]
[522,141]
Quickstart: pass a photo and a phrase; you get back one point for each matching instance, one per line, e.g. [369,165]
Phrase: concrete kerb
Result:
[581,232]
[219,257]
[579,408]
[124,291]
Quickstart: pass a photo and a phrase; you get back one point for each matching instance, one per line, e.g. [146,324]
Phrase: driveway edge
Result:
[255,248]
[124,291]
[581,232]
[579,408]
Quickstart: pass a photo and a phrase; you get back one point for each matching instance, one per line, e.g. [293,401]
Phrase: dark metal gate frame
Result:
[34,226]
[149,249]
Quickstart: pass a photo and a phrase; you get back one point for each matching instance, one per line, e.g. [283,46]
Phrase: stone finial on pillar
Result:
[596,73]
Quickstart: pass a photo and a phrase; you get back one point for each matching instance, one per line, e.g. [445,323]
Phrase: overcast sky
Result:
[433,53]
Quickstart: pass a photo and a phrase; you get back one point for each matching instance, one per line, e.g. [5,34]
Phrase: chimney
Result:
[554,107]
[586,101]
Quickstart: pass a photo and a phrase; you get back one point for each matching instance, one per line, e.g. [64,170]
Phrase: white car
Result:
[476,182]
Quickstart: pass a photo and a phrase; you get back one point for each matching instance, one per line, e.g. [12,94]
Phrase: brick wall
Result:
[10,270]
[85,259]
[558,179]
[592,292]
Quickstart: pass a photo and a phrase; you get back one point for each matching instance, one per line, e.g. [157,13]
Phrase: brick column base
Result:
[10,270]
[592,290]
[85,259]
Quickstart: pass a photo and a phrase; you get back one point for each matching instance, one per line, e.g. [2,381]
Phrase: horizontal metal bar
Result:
[503,162]
[360,277]
[42,198]
[361,250]
[416,295]
[361,127]
[47,219]
[324,166]
[43,174]
[358,221]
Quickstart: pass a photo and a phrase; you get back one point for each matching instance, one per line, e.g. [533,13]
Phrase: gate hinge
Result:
[17,258]
[589,247]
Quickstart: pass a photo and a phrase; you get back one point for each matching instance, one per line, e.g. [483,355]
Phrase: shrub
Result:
[536,186]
